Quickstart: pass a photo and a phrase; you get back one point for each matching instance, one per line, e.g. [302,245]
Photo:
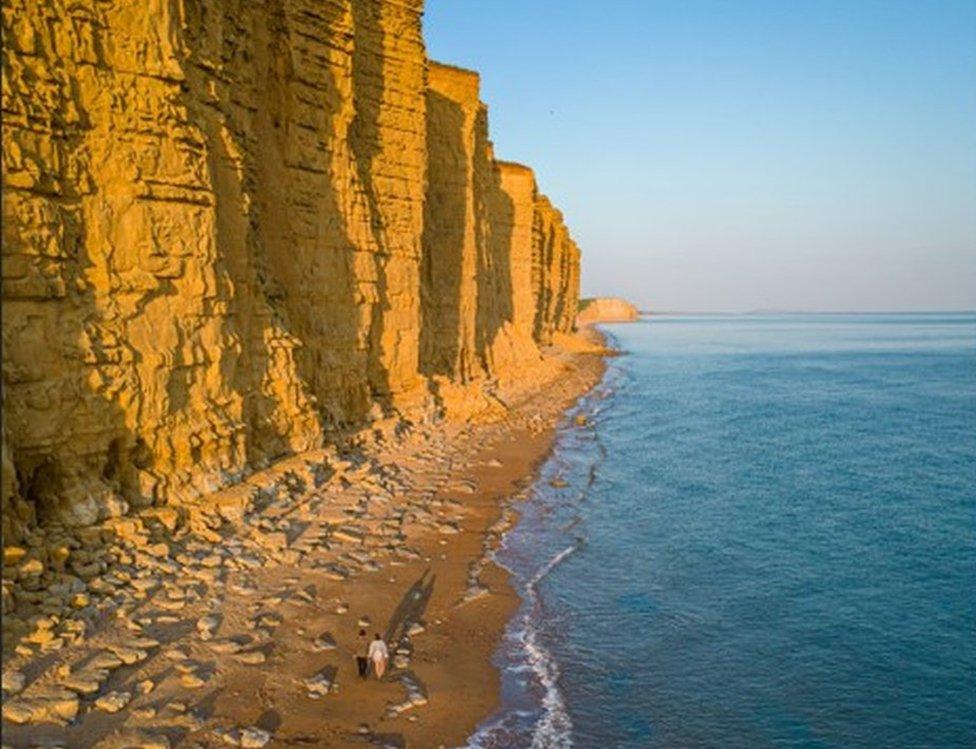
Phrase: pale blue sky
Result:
[741,154]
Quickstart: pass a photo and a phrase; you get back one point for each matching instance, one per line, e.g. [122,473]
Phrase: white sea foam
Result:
[549,567]
[553,729]
[549,726]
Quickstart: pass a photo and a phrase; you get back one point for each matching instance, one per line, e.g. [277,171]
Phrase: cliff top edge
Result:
[514,167]
[446,71]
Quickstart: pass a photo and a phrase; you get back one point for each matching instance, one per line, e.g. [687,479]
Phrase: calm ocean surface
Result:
[767,538]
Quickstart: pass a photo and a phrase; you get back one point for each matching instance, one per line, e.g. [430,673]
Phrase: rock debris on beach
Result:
[151,617]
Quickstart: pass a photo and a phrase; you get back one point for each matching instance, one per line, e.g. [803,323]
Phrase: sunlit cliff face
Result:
[230,230]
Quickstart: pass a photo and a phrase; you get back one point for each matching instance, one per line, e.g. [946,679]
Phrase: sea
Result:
[757,531]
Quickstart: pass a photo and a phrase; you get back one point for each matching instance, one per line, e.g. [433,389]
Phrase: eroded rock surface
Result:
[234,232]
[218,240]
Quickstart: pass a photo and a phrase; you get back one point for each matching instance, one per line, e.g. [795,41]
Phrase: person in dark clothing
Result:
[362,654]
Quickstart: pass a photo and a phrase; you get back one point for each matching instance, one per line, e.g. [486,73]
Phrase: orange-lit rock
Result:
[231,228]
[606,309]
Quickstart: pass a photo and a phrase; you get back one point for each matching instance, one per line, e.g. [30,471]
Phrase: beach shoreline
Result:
[408,536]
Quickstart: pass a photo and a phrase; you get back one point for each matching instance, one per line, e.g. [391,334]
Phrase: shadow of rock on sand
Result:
[411,607]
[269,721]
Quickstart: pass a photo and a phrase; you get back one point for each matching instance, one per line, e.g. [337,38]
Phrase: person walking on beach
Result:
[362,654]
[379,654]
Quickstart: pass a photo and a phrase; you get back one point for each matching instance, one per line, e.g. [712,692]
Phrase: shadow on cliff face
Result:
[284,258]
[79,469]
[288,324]
[559,310]
[542,250]
[445,217]
[255,336]
[308,254]
[80,454]
[70,455]
[495,292]
[368,87]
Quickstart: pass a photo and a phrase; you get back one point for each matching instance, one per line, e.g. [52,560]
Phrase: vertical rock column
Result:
[270,86]
[571,304]
[388,138]
[313,114]
[509,326]
[513,223]
[544,241]
[237,69]
[320,107]
[555,272]
[451,240]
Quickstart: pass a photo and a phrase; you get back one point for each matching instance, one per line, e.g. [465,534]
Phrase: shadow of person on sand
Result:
[411,607]
[387,740]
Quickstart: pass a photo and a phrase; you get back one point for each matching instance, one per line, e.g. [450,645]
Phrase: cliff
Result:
[555,272]
[606,309]
[454,236]
[234,230]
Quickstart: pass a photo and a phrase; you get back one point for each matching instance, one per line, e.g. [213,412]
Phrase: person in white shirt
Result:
[379,654]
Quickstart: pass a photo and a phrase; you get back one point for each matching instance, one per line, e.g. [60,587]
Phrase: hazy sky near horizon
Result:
[737,155]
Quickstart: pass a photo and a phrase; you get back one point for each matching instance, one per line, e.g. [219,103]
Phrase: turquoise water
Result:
[767,538]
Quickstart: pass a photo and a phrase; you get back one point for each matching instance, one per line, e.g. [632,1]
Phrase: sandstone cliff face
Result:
[606,309]
[234,227]
[453,235]
[511,208]
[555,272]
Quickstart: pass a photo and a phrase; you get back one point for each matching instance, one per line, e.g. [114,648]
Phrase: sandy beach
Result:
[250,642]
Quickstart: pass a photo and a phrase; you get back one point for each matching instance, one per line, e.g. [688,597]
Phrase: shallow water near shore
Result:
[764,534]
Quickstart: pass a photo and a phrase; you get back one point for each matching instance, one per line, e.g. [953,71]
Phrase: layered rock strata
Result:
[454,235]
[511,207]
[234,229]
[555,272]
